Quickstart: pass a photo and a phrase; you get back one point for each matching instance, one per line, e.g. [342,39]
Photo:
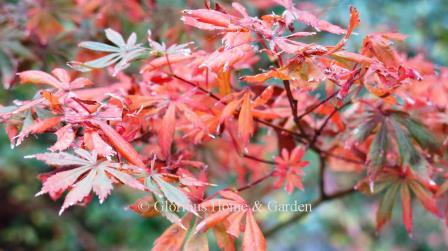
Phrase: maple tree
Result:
[168,117]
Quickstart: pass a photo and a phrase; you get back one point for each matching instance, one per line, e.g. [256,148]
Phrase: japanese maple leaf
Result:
[31,126]
[229,212]
[248,109]
[90,174]
[288,168]
[207,19]
[404,182]
[292,13]
[302,72]
[173,237]
[60,79]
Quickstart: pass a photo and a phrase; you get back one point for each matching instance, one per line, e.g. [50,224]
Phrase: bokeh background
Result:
[42,34]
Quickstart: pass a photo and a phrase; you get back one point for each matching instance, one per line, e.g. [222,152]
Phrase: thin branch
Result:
[322,127]
[270,162]
[255,182]
[293,104]
[322,165]
[330,154]
[314,107]
[264,122]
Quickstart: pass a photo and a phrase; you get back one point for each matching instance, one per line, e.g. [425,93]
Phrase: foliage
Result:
[173,119]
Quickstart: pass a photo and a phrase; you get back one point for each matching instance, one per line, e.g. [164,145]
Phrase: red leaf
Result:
[65,135]
[289,168]
[425,198]
[94,142]
[407,207]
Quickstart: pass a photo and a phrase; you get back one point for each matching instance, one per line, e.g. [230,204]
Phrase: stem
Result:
[169,64]
[326,153]
[322,165]
[255,182]
[314,107]
[322,127]
[270,162]
[293,105]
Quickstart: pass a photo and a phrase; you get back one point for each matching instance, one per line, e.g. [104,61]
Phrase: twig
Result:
[270,162]
[322,165]
[255,182]
[321,128]
[293,104]
[314,107]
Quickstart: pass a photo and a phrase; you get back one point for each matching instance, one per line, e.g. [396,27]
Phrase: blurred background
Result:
[43,34]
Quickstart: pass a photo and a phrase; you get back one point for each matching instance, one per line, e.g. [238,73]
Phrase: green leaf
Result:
[115,37]
[366,128]
[95,64]
[97,46]
[174,194]
[132,39]
[151,186]
[408,153]
[378,149]
[122,54]
[384,212]
[419,133]
[103,61]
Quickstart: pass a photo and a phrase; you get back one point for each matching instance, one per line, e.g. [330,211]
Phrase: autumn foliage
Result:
[171,120]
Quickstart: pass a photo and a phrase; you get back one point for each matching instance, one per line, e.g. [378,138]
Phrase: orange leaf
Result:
[173,237]
[354,22]
[55,105]
[39,77]
[120,144]
[224,240]
[223,79]
[145,207]
[262,77]
[167,130]
[213,220]
[253,237]
[264,96]
[235,223]
[245,120]
[44,125]
[229,109]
